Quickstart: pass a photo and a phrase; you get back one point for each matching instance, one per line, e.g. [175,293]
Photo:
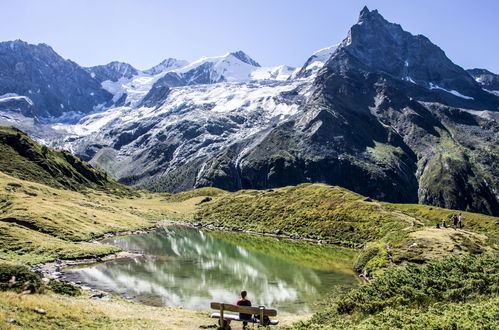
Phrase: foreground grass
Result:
[64,312]
[450,293]
[82,312]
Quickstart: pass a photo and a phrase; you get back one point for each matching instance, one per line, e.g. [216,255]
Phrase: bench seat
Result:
[230,317]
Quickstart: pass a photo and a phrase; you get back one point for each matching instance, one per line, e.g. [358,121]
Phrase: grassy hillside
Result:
[450,293]
[389,233]
[39,223]
[25,159]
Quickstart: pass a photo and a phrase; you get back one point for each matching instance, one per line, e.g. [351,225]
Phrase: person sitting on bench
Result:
[244,302]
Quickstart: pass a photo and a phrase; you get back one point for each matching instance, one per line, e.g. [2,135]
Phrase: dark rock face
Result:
[55,85]
[384,120]
[22,105]
[112,71]
[487,79]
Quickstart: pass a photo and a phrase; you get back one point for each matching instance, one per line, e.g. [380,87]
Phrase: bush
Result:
[64,288]
[448,279]
[364,258]
[447,293]
[19,278]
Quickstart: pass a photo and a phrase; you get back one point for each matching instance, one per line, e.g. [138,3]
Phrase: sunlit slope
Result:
[390,233]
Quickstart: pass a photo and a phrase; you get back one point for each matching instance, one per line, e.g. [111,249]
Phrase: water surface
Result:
[187,267]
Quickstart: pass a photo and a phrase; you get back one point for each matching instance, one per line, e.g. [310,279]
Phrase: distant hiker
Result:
[454,221]
[244,302]
[460,220]
[444,223]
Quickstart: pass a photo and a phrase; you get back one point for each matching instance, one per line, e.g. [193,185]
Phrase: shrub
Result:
[64,288]
[19,278]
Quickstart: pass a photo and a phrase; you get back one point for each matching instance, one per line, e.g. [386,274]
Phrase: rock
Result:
[11,321]
[368,199]
[40,311]
[99,295]
[278,232]
[204,200]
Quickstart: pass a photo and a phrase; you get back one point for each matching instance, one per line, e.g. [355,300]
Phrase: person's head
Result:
[244,294]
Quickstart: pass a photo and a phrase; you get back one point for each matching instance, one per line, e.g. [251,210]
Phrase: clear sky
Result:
[273,32]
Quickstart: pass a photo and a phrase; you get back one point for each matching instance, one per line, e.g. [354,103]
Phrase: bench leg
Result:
[224,324]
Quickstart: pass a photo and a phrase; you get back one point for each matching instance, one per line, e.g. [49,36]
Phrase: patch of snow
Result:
[407,78]
[62,106]
[92,93]
[8,95]
[14,96]
[92,74]
[281,73]
[453,92]
[496,93]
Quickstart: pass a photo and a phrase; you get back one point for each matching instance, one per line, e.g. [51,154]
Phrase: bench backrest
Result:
[243,309]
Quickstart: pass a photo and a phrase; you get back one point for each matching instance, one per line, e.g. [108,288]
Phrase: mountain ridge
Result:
[384,113]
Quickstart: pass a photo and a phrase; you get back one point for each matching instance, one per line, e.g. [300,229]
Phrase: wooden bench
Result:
[224,319]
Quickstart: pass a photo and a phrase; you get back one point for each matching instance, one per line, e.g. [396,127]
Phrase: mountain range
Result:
[384,113]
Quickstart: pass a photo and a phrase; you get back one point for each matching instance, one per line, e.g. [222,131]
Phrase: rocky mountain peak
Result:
[112,71]
[167,65]
[242,56]
[376,45]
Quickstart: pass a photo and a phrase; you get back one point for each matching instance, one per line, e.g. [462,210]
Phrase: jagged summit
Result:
[374,44]
[112,71]
[167,65]
[245,58]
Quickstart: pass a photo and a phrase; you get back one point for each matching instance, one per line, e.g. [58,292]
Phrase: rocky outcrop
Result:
[54,85]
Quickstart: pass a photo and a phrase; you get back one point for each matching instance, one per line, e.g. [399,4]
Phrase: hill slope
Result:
[391,233]
[25,159]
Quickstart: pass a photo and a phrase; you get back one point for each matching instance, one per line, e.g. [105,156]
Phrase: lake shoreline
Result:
[54,269]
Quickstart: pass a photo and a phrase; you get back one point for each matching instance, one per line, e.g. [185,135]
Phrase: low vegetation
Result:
[389,234]
[54,206]
[450,293]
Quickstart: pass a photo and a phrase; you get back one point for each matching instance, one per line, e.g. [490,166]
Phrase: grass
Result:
[80,312]
[391,234]
[39,223]
[450,293]
[25,159]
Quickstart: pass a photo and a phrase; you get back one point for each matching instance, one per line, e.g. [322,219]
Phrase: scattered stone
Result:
[368,199]
[12,321]
[99,295]
[204,200]
[40,311]
[278,232]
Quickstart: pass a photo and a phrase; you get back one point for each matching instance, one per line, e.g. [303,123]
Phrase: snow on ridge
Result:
[496,93]
[324,54]
[453,92]
[280,73]
[13,96]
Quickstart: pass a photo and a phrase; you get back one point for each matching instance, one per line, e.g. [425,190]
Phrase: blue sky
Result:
[273,32]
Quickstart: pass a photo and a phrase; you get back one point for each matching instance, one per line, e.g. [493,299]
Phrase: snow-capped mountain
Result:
[316,62]
[55,86]
[384,113]
[112,71]
[166,65]
[488,80]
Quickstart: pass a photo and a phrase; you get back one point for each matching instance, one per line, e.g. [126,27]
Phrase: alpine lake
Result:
[180,266]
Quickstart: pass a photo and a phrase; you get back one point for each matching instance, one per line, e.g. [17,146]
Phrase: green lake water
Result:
[187,267]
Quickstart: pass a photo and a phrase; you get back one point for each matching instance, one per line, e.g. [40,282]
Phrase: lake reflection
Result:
[186,267]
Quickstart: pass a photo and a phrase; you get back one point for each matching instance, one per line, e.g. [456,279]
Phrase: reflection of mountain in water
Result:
[186,267]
